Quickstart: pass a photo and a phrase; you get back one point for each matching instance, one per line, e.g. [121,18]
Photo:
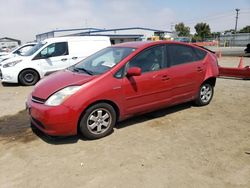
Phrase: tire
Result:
[205,94]
[98,121]
[28,77]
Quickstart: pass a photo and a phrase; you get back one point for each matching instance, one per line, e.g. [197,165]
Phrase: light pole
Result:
[236,21]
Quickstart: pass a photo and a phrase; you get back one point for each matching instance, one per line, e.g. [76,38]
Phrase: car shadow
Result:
[59,140]
[10,84]
[153,115]
[233,78]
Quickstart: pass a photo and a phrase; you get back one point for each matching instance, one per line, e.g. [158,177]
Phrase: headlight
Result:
[58,97]
[11,64]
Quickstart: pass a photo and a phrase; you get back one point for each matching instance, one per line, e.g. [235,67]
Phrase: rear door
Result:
[54,57]
[186,70]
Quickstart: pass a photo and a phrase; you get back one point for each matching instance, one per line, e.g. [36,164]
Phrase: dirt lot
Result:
[183,146]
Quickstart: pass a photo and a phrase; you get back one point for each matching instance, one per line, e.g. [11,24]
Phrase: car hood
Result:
[57,81]
[5,57]
[11,59]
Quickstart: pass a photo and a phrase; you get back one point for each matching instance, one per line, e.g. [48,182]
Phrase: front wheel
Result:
[28,77]
[205,94]
[98,121]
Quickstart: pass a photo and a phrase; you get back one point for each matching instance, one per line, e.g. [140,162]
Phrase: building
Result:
[239,39]
[9,43]
[117,35]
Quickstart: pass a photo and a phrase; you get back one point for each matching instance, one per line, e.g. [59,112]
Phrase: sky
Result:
[23,19]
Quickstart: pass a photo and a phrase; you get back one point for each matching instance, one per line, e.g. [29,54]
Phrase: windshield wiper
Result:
[77,69]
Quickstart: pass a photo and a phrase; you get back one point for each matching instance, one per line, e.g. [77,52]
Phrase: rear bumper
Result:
[54,121]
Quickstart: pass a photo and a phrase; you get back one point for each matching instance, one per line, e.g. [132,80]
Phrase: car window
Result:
[55,49]
[180,54]
[34,49]
[120,72]
[151,59]
[201,54]
[25,49]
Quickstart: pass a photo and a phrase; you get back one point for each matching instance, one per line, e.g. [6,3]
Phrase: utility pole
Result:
[236,21]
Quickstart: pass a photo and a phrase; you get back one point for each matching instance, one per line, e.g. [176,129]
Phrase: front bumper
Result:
[54,121]
[7,75]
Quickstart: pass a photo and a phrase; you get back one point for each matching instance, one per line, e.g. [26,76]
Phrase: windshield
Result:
[103,60]
[16,48]
[34,49]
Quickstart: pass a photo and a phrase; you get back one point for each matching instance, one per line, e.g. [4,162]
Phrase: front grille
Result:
[38,100]
[38,123]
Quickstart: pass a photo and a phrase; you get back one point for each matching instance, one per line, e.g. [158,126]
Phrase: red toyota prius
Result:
[119,82]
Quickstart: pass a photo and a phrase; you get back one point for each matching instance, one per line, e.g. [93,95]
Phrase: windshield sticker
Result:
[108,64]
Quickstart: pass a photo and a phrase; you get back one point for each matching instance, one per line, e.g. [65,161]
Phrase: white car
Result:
[20,50]
[48,56]
[2,53]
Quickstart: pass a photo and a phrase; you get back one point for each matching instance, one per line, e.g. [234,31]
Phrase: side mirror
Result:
[133,71]
[17,52]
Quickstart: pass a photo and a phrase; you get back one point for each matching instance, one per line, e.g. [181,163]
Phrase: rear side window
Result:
[180,54]
[201,54]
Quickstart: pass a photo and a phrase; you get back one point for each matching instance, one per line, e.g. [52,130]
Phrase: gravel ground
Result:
[182,146]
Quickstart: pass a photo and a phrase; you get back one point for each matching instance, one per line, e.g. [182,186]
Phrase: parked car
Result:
[50,56]
[3,52]
[247,50]
[119,82]
[183,39]
[21,50]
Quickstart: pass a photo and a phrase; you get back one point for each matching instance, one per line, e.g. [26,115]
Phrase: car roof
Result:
[72,38]
[30,43]
[146,44]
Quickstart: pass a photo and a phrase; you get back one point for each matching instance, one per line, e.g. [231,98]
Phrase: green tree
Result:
[182,30]
[215,34]
[202,30]
[232,31]
[245,29]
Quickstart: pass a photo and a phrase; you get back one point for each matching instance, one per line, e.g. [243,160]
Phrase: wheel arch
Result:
[210,80]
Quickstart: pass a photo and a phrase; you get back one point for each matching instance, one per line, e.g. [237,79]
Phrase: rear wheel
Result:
[205,94]
[98,121]
[28,77]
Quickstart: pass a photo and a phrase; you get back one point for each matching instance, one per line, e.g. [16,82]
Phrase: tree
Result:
[182,30]
[215,34]
[202,30]
[230,31]
[245,29]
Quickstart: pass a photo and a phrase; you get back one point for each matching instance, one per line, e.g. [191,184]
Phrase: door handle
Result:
[165,77]
[199,69]
[74,58]
[64,59]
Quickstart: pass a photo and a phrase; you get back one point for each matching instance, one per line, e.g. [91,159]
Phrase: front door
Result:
[152,88]
[54,57]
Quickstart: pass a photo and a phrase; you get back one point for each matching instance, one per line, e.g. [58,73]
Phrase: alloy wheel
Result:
[99,121]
